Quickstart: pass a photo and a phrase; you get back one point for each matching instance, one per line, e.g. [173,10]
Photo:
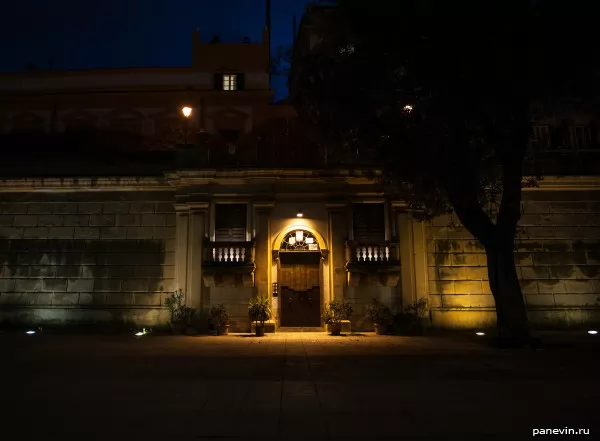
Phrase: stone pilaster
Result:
[262,256]
[181,246]
[419,234]
[407,261]
[338,235]
[413,257]
[197,221]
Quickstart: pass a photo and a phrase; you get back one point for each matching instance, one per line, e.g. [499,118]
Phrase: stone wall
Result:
[79,257]
[557,253]
[361,296]
[236,298]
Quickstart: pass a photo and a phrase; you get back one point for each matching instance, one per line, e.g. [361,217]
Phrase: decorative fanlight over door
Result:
[299,240]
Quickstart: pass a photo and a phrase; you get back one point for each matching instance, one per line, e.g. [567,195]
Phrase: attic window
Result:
[230,82]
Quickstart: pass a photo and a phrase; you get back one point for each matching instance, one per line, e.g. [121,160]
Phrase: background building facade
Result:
[110,199]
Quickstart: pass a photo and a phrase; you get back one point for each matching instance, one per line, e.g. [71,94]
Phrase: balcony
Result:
[228,264]
[381,259]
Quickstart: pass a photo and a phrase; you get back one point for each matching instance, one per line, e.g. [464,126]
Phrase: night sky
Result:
[81,34]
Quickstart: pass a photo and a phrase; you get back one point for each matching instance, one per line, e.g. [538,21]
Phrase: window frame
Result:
[230,82]
[213,217]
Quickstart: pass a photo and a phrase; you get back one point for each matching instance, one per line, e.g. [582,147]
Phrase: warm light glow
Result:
[187,111]
[30,332]
[292,240]
[299,236]
[299,214]
[480,333]
[408,108]
[310,240]
[593,332]
[142,332]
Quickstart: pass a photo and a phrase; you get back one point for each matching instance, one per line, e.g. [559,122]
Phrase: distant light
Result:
[299,214]
[592,332]
[187,111]
[480,333]
[408,108]
[139,334]
[30,332]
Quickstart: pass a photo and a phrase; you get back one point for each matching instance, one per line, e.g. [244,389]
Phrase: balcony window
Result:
[230,222]
[541,137]
[369,223]
[580,137]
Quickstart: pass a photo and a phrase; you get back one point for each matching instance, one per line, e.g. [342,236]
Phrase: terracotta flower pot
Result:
[260,330]
[223,330]
[335,328]
[380,329]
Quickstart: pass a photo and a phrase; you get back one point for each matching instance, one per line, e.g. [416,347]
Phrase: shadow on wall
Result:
[88,273]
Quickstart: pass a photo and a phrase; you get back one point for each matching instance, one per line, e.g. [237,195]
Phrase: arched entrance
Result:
[300,276]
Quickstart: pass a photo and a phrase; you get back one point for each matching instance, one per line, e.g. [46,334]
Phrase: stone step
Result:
[301,329]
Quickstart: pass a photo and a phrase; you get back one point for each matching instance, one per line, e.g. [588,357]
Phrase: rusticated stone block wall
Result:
[236,298]
[84,250]
[557,254]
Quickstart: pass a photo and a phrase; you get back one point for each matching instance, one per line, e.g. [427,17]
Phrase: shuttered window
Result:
[369,223]
[230,222]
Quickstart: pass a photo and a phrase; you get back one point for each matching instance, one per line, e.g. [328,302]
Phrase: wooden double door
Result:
[299,288]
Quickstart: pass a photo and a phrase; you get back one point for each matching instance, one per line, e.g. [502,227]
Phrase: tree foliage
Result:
[441,94]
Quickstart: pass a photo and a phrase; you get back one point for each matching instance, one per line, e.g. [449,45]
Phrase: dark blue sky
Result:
[81,34]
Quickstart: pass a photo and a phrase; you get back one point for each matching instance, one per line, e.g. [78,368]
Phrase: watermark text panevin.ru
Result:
[565,431]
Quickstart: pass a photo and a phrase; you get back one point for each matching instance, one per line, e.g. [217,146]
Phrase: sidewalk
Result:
[304,386]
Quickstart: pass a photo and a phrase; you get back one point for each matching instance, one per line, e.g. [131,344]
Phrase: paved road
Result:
[303,386]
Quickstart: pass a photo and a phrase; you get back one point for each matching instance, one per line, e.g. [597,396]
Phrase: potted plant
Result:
[181,316]
[337,311]
[187,316]
[380,315]
[175,304]
[220,318]
[259,311]
[411,321]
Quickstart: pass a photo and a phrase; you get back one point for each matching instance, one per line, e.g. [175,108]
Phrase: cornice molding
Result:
[567,183]
[233,177]
[128,183]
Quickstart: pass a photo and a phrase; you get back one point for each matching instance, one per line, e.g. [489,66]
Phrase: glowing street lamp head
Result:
[408,108]
[187,111]
[480,333]
[299,214]
[592,332]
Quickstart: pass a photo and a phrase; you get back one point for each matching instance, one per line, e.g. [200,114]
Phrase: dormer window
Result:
[230,82]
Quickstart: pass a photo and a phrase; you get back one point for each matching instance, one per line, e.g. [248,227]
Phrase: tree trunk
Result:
[498,241]
[511,311]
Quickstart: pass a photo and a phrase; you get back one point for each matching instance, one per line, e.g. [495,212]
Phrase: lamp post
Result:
[187,111]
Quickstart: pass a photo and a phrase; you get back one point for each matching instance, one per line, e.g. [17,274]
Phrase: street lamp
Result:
[187,111]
